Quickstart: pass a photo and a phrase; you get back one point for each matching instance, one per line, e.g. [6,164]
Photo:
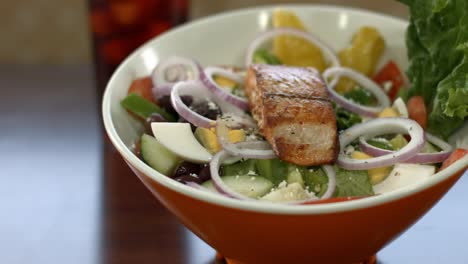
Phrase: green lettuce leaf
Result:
[437,38]
[352,183]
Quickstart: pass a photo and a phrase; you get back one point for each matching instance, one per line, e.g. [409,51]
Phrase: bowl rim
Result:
[256,206]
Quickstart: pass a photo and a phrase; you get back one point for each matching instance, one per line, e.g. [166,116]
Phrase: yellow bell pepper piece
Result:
[375,175]
[295,51]
[363,55]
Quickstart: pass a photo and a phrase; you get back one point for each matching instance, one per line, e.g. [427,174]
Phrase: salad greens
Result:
[352,183]
[144,108]
[437,41]
[360,96]
[264,56]
[243,167]
[274,170]
[315,179]
[380,144]
[346,119]
[348,183]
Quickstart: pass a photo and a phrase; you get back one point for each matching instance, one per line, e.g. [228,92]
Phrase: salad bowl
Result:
[336,231]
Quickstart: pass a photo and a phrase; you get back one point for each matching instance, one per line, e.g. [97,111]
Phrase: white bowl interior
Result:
[223,39]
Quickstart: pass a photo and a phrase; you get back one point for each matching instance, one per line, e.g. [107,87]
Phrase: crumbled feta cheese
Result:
[293,192]
[282,184]
[317,188]
[212,106]
[387,86]
[252,137]
[309,193]
[251,172]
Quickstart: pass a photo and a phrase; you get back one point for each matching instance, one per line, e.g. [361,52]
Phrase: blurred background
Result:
[65,195]
[57,32]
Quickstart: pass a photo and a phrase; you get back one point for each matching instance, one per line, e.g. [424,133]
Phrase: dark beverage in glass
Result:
[120,26]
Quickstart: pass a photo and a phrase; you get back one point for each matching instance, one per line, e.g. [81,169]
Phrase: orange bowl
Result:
[345,231]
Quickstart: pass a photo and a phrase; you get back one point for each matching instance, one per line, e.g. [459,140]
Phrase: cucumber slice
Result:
[144,108]
[157,156]
[209,185]
[250,186]
[292,192]
[429,148]
[398,142]
[295,176]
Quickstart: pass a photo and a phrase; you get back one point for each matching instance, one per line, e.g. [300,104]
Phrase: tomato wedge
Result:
[417,110]
[456,155]
[390,73]
[143,87]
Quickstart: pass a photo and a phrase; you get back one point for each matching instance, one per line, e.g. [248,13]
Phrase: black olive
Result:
[154,117]
[204,174]
[187,168]
[165,102]
[206,109]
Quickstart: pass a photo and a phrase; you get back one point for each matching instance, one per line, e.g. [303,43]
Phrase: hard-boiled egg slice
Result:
[400,106]
[404,175]
[178,138]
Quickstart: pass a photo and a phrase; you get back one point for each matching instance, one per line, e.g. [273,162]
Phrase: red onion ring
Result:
[207,79]
[193,89]
[366,83]
[196,89]
[379,126]
[424,158]
[218,183]
[180,69]
[267,35]
[248,150]
[331,174]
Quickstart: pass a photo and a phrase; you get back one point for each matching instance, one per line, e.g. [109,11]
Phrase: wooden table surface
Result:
[65,197]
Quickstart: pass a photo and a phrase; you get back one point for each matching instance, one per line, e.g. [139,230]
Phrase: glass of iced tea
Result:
[120,26]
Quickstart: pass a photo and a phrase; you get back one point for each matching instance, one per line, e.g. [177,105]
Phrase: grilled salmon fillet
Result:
[293,112]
